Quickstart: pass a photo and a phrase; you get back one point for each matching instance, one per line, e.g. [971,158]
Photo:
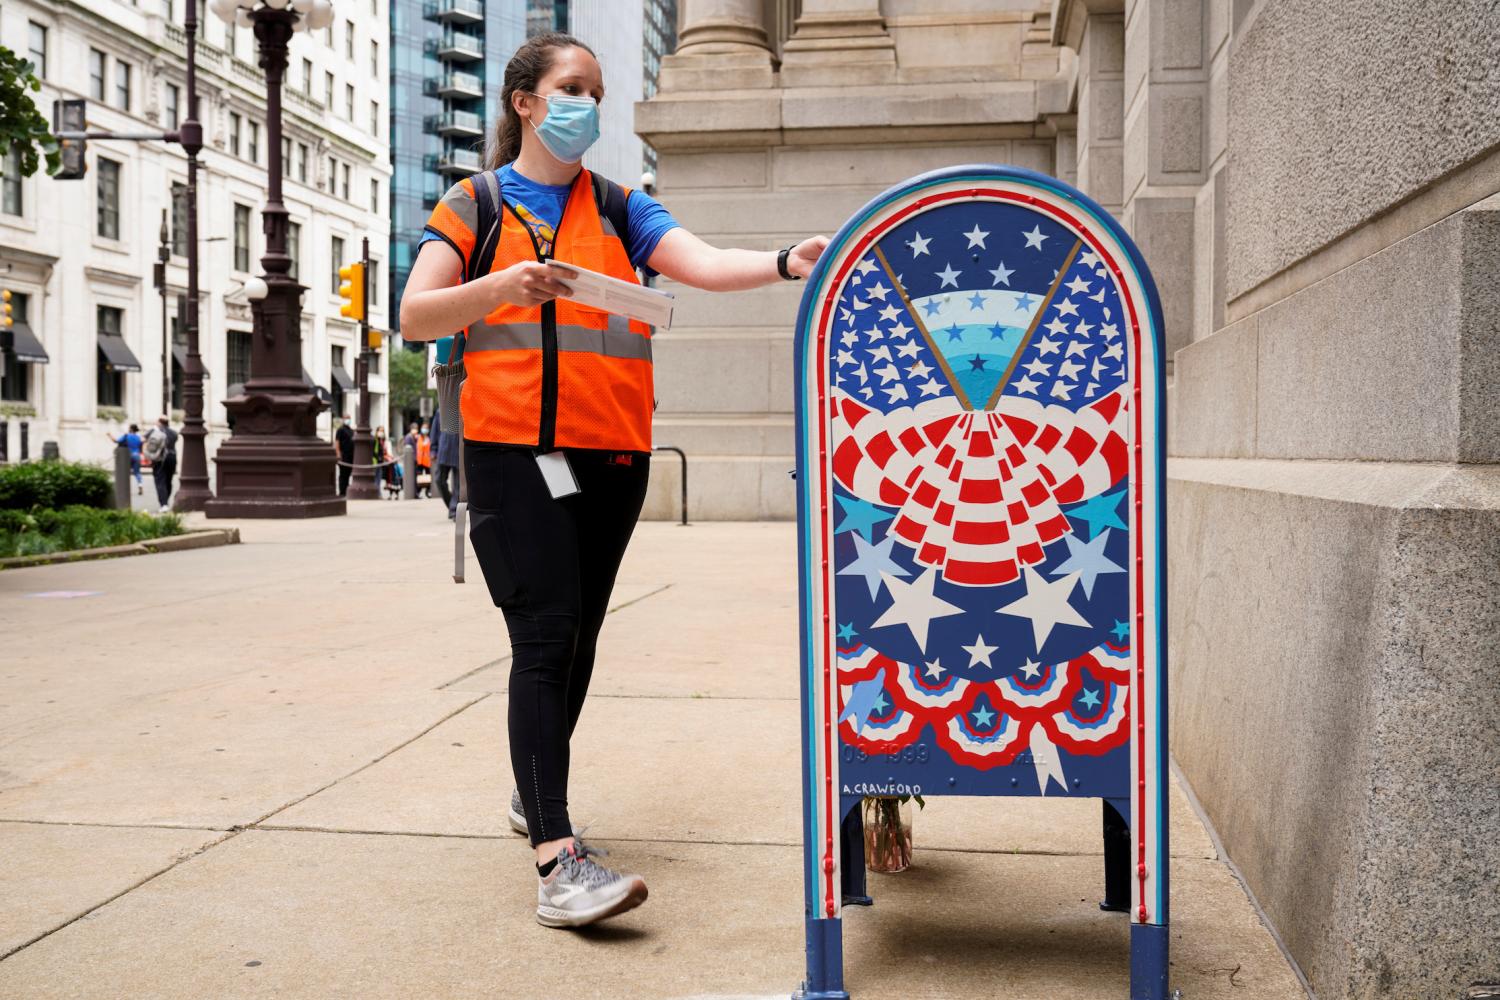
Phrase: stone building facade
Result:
[1316,186]
[79,254]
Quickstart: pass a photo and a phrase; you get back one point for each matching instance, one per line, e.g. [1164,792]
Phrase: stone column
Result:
[839,42]
[721,45]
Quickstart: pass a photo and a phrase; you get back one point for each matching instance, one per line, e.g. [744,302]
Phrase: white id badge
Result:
[558,474]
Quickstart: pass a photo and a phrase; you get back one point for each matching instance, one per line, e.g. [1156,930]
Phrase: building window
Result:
[375,195]
[336,252]
[294,247]
[375,119]
[237,357]
[17,377]
[349,102]
[302,162]
[173,103]
[179,219]
[11,202]
[349,40]
[37,52]
[235,127]
[96,74]
[344,186]
[307,75]
[111,384]
[122,85]
[286,157]
[254,142]
[241,238]
[333,174]
[372,280]
[328,35]
[328,89]
[107,198]
[166,9]
[374,60]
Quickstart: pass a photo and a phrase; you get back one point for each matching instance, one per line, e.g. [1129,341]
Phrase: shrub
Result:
[54,485]
[41,531]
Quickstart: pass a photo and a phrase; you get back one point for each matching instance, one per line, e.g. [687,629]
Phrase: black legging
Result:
[550,566]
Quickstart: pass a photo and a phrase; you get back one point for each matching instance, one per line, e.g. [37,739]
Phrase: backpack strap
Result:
[613,204]
[487,228]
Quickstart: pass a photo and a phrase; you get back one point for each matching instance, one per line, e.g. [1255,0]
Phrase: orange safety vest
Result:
[424,450]
[562,374]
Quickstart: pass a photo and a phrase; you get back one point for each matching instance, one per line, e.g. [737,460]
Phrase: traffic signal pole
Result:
[362,484]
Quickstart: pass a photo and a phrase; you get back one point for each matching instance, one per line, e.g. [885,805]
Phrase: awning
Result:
[117,354]
[321,392]
[27,348]
[341,379]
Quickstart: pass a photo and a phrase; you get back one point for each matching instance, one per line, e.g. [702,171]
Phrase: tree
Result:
[22,126]
[408,379]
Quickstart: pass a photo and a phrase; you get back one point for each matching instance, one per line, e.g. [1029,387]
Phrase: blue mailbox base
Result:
[1148,962]
[825,961]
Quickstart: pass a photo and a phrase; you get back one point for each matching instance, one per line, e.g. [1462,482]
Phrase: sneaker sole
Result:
[634,896]
[518,823]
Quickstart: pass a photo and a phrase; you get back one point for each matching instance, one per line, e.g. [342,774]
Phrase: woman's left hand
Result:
[805,254]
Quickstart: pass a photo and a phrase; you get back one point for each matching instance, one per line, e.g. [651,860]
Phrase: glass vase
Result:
[887,823]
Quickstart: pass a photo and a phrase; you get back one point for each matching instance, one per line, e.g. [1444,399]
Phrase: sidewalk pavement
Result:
[279,769]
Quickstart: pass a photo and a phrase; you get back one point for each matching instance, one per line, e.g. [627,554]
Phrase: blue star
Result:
[1090,698]
[976,301]
[1121,630]
[1087,559]
[860,516]
[861,702]
[932,306]
[1099,512]
[881,704]
[871,560]
[997,332]
[1023,301]
[976,364]
[983,717]
[954,332]
[846,632]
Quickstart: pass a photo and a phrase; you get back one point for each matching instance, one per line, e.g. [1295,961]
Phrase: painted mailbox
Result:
[980,478]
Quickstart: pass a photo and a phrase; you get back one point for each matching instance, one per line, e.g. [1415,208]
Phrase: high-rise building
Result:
[447,58]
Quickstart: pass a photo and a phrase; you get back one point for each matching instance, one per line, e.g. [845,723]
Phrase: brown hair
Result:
[531,62]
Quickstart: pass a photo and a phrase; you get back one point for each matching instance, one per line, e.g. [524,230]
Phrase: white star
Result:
[900,330]
[889,313]
[846,315]
[1031,669]
[1045,604]
[1082,329]
[935,669]
[1076,349]
[919,370]
[1089,392]
[1098,367]
[1057,326]
[864,375]
[860,304]
[1064,308]
[849,337]
[1002,274]
[1037,368]
[914,605]
[866,266]
[1089,259]
[874,333]
[1114,351]
[931,387]
[1110,331]
[888,374]
[1061,390]
[881,353]
[867,392]
[1046,346]
[1077,286]
[979,652]
[845,358]
[908,349]
[1025,384]
[896,393]
[949,276]
[879,292]
[1098,296]
[1069,369]
[976,237]
[919,245]
[1035,237]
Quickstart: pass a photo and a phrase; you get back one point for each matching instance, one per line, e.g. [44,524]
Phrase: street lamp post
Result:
[362,485]
[163,254]
[274,464]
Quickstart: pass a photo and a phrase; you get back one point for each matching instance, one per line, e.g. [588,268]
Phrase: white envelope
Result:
[591,288]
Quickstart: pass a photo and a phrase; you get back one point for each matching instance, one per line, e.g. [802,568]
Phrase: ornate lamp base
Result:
[275,465]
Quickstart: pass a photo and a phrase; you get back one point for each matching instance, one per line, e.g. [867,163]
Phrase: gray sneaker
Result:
[517,816]
[580,890]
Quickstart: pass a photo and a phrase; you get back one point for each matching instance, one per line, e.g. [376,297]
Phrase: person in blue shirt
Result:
[445,445]
[132,440]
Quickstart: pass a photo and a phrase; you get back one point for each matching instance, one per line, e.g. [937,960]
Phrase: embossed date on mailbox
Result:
[917,753]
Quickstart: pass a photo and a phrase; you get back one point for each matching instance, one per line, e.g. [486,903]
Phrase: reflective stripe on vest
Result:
[615,341]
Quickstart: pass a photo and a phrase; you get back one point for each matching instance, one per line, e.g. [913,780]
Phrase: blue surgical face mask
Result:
[570,128]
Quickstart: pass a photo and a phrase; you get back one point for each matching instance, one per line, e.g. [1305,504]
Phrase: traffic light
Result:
[71,116]
[353,291]
[377,337]
[7,338]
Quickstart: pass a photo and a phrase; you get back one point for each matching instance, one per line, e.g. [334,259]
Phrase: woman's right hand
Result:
[525,283]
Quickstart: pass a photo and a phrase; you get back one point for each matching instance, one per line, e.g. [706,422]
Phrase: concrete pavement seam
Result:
[116,826]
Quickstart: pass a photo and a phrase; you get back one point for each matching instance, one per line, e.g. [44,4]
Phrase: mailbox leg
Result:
[1116,858]
[1148,962]
[852,870]
[825,961]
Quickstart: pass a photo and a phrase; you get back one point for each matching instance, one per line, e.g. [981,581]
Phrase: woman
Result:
[131,439]
[557,416]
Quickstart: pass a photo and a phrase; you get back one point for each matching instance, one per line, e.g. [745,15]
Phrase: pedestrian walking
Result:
[445,455]
[343,443]
[131,439]
[160,448]
[424,458]
[557,414]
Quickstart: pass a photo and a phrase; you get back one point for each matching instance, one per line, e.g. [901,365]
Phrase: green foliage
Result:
[51,485]
[40,532]
[408,379]
[21,124]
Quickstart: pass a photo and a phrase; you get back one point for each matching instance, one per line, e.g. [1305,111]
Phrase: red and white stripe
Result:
[979,494]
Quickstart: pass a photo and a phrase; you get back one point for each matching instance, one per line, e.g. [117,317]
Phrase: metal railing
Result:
[458,42]
[460,9]
[459,121]
[682,456]
[458,161]
[461,83]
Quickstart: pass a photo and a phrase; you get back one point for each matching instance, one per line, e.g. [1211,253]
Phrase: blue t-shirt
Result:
[540,206]
[133,442]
